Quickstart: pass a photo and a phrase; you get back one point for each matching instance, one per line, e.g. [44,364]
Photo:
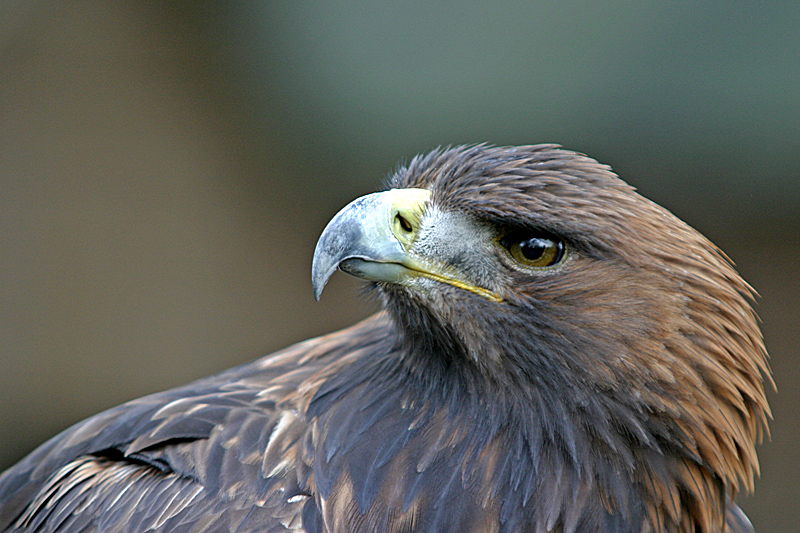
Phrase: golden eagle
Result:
[555,353]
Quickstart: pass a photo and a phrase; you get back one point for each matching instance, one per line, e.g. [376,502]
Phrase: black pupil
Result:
[533,249]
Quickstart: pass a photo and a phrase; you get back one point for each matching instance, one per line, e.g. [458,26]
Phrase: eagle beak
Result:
[370,237]
[373,238]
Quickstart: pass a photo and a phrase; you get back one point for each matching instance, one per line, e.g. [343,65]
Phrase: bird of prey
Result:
[554,353]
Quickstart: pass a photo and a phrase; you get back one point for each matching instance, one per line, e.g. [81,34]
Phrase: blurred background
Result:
[166,168]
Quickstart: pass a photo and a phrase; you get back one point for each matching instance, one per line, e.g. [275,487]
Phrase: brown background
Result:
[165,169]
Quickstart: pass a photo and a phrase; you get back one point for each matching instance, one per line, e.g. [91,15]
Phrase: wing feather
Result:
[218,454]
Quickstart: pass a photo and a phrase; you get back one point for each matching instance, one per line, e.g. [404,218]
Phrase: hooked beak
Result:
[373,237]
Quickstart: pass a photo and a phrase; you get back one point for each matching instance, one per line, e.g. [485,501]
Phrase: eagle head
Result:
[617,340]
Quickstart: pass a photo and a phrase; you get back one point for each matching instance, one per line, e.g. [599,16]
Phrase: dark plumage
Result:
[556,353]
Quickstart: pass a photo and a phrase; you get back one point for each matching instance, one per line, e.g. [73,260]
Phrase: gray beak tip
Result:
[319,276]
[325,262]
[318,291]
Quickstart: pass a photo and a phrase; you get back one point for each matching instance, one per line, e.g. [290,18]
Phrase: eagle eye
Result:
[533,249]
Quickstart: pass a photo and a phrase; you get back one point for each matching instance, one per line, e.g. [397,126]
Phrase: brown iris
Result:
[533,249]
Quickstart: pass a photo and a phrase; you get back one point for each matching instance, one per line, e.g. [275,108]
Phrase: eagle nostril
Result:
[404,224]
